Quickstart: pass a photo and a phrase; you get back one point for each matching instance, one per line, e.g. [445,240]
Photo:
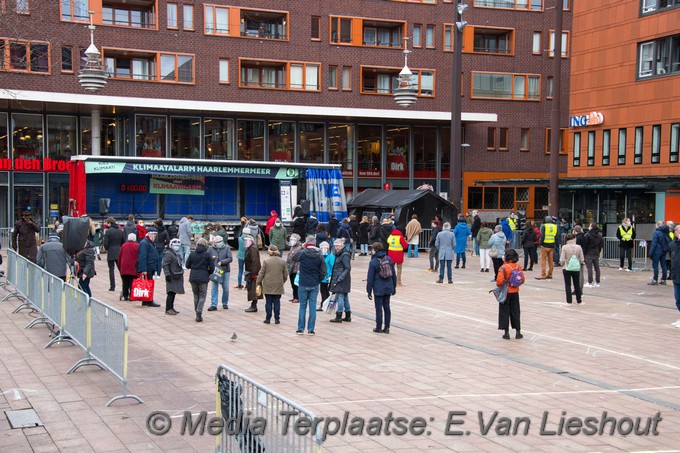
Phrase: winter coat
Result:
[162,239]
[528,238]
[581,240]
[299,224]
[345,232]
[114,238]
[397,255]
[497,242]
[222,257]
[413,229]
[312,224]
[141,233]
[173,231]
[53,258]
[127,258]
[23,238]
[433,236]
[333,225]
[445,243]
[375,284]
[329,259]
[504,273]
[293,266]
[674,247]
[594,242]
[201,265]
[322,236]
[537,236]
[341,278]
[312,266]
[385,232]
[507,231]
[252,268]
[241,253]
[571,249]
[626,244]
[148,260]
[461,231]
[129,227]
[483,236]
[277,237]
[659,239]
[374,234]
[270,224]
[354,226]
[273,274]
[476,226]
[184,231]
[85,259]
[363,232]
[172,268]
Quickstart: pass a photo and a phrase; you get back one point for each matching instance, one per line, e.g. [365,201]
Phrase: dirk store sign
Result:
[46,164]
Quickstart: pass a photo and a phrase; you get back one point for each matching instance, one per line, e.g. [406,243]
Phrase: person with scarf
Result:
[173,269]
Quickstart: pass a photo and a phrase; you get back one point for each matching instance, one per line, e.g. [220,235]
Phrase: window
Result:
[25,56]
[341,30]
[140,65]
[380,80]
[448,37]
[172,15]
[675,142]
[566,5]
[657,6]
[263,24]
[66,59]
[524,139]
[216,20]
[577,150]
[656,144]
[346,78]
[536,45]
[74,10]
[503,142]
[526,5]
[565,44]
[316,32]
[279,75]
[188,17]
[606,145]
[520,87]
[637,146]
[125,14]
[429,37]
[382,33]
[417,38]
[22,7]
[332,77]
[591,148]
[491,138]
[622,147]
[493,40]
[659,57]
[550,89]
[224,70]
[563,141]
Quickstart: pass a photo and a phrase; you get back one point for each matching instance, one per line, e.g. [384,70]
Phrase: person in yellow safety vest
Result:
[548,235]
[513,223]
[396,244]
[626,236]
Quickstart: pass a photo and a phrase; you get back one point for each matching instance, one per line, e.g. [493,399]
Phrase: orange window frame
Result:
[184,20]
[167,16]
[332,68]
[6,63]
[563,140]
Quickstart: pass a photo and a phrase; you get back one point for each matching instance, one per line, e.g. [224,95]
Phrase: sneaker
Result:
[456,267]
[629,270]
[170,312]
[662,282]
[386,330]
[597,285]
[225,307]
[463,266]
[211,308]
[450,282]
[277,322]
[430,270]
[266,321]
[440,281]
[492,280]
[176,312]
[588,285]
[311,333]
[653,282]
[519,336]
[376,330]
[481,270]
[319,309]
[620,268]
[486,270]
[676,323]
[298,332]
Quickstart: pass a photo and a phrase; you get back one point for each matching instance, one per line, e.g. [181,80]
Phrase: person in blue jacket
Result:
[381,289]
[462,232]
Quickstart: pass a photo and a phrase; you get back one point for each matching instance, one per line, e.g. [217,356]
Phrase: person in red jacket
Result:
[396,244]
[273,217]
[141,231]
[127,263]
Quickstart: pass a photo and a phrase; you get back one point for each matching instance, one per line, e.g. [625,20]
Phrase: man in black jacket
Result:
[476,226]
[114,238]
[592,251]
[333,225]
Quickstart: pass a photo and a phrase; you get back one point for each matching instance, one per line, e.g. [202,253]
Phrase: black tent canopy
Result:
[403,203]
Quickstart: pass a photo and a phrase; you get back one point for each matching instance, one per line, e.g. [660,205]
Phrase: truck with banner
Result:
[209,190]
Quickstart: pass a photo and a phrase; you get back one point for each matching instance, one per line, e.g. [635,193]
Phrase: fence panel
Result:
[10,273]
[52,291]
[425,236]
[5,234]
[610,252]
[76,314]
[238,397]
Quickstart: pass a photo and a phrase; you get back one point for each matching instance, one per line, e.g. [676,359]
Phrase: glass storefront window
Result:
[4,137]
[311,142]
[185,138]
[281,141]
[28,195]
[369,139]
[398,148]
[250,140]
[58,197]
[218,138]
[612,206]
[107,145]
[27,130]
[341,147]
[641,207]
[61,137]
[150,136]
[425,155]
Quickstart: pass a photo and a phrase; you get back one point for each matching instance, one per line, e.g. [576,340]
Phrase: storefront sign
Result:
[286,202]
[178,169]
[591,119]
[177,185]
[46,164]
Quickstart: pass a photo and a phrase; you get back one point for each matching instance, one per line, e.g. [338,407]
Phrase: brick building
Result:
[290,81]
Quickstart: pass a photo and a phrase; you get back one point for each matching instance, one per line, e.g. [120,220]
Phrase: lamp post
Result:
[405,93]
[92,78]
[456,158]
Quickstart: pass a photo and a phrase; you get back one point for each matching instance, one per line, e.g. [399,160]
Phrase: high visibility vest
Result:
[626,235]
[513,223]
[671,235]
[550,233]
[394,243]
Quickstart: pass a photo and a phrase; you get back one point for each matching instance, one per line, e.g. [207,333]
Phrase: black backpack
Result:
[384,268]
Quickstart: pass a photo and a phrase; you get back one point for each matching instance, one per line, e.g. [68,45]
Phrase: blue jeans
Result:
[343,303]
[413,247]
[272,301]
[241,263]
[382,304]
[448,269]
[84,285]
[656,259]
[476,242]
[458,258]
[184,251]
[307,295]
[225,291]
[364,249]
[676,287]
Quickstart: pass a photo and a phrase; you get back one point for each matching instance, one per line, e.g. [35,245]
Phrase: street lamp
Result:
[92,78]
[406,92]
[456,170]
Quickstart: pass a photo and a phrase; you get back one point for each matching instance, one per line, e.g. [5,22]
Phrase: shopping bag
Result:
[330,304]
[500,293]
[142,289]
[218,275]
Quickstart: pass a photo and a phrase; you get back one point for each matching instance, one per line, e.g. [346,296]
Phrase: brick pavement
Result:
[616,353]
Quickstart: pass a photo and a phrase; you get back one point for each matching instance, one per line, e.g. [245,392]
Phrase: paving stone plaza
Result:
[581,372]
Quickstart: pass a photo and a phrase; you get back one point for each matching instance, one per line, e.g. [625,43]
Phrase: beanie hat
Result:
[339,241]
[175,242]
[273,248]
[218,239]
[132,237]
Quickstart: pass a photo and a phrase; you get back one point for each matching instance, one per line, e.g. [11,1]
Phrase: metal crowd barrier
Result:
[239,397]
[16,275]
[5,236]
[33,297]
[611,253]
[74,321]
[10,273]
[425,236]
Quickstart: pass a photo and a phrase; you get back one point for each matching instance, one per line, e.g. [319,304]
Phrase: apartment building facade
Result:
[624,116]
[286,81]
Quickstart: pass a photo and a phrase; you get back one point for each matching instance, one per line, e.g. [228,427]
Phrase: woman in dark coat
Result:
[127,263]
[162,241]
[85,266]
[252,268]
[23,236]
[381,289]
[174,275]
[201,265]
[363,235]
[374,231]
[529,246]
